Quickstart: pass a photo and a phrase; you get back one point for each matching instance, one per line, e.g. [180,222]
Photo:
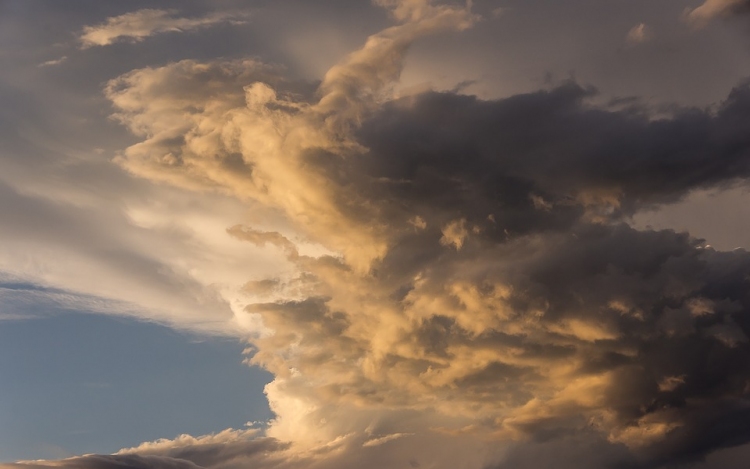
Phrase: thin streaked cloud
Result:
[141,24]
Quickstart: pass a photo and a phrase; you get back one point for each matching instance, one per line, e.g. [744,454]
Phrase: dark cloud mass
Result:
[550,151]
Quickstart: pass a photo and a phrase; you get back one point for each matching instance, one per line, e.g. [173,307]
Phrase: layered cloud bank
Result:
[465,290]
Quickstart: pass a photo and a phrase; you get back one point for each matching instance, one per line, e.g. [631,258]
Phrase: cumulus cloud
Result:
[139,25]
[710,9]
[478,298]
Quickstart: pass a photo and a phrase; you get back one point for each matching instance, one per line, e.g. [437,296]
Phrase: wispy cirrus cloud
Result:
[141,24]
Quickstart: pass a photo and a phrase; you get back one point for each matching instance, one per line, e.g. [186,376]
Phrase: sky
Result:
[483,234]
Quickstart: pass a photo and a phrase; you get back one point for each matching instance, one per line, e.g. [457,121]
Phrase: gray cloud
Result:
[552,145]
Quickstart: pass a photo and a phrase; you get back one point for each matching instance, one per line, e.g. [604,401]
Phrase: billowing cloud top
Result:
[464,288]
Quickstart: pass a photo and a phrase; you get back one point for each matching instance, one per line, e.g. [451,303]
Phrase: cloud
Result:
[291,130]
[235,449]
[227,448]
[638,34]
[109,462]
[54,62]
[159,256]
[22,299]
[523,308]
[476,285]
[544,322]
[139,25]
[261,238]
[711,9]
[384,439]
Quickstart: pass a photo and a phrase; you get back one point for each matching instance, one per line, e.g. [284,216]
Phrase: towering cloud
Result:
[474,291]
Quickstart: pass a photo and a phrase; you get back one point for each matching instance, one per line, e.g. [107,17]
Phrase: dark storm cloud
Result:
[535,161]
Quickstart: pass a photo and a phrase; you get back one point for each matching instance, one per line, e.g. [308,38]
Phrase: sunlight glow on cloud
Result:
[456,284]
[710,9]
[139,25]
[506,322]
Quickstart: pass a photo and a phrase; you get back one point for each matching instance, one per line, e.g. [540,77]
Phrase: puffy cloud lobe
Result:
[483,285]
[574,330]
[141,24]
